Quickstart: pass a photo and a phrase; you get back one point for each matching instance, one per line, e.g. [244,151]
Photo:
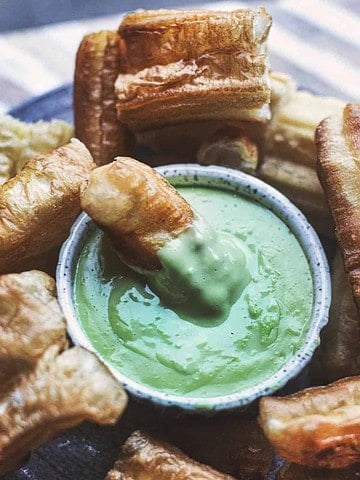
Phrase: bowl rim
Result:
[255,189]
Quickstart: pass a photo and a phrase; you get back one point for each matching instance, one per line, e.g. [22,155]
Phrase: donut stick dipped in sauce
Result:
[155,231]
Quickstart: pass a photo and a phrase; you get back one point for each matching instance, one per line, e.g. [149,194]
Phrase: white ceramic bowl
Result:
[251,187]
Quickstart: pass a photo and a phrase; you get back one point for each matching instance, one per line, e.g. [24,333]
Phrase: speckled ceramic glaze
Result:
[188,174]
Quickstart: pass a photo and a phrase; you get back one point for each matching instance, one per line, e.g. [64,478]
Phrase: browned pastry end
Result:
[138,208]
[144,458]
[318,427]
[30,322]
[192,66]
[39,205]
[98,63]
[229,147]
[62,392]
[297,472]
[338,152]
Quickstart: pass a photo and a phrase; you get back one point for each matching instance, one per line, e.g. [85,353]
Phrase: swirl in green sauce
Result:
[164,347]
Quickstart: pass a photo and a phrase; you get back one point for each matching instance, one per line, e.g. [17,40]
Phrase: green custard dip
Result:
[190,354]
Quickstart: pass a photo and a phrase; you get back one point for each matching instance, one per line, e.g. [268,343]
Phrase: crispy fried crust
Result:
[98,63]
[297,472]
[338,152]
[39,205]
[194,65]
[144,458]
[62,392]
[30,322]
[339,353]
[159,37]
[138,208]
[229,147]
[20,141]
[318,427]
[289,161]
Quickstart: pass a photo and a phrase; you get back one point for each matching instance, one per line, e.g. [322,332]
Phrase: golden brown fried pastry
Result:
[229,147]
[19,142]
[338,355]
[98,64]
[338,152]
[30,322]
[193,65]
[283,87]
[144,458]
[61,393]
[138,208]
[39,205]
[318,427]
[289,161]
[297,472]
[156,37]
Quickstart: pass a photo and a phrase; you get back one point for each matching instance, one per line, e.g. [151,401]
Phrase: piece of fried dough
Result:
[39,205]
[193,65]
[297,472]
[338,355]
[338,152]
[289,161]
[61,393]
[30,322]
[144,458]
[98,63]
[318,427]
[229,147]
[138,208]
[20,141]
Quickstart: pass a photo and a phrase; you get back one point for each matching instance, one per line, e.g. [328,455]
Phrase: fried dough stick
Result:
[39,205]
[297,472]
[338,153]
[30,322]
[289,162]
[143,458]
[61,393]
[20,141]
[318,427]
[193,65]
[338,355]
[138,209]
[98,63]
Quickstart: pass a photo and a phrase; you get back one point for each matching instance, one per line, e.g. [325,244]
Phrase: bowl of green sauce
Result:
[172,358]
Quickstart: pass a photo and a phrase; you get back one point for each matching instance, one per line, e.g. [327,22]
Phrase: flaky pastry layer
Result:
[98,63]
[194,65]
[160,37]
[39,205]
[30,322]
[63,391]
[318,427]
[138,209]
[145,458]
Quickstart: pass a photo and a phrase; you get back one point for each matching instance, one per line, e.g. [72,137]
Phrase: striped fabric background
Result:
[315,41]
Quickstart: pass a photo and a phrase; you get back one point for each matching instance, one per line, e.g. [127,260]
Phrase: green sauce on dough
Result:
[203,272]
[160,346]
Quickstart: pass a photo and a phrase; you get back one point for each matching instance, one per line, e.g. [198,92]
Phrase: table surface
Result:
[317,42]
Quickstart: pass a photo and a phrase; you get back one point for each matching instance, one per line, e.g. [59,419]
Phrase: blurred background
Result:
[30,13]
[315,41]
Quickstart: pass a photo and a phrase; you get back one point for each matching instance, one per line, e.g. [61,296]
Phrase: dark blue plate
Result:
[54,104]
